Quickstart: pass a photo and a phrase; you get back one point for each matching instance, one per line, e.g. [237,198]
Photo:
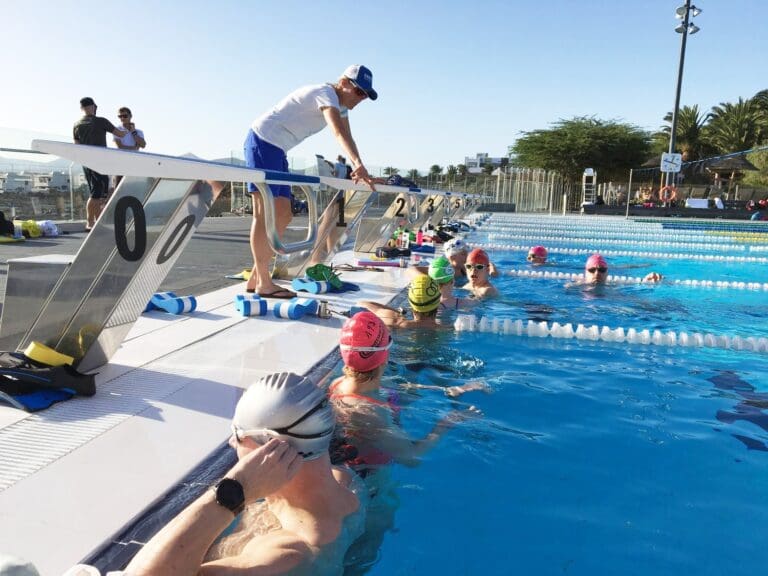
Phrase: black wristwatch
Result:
[229,493]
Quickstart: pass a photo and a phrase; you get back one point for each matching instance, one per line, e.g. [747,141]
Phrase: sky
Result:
[454,78]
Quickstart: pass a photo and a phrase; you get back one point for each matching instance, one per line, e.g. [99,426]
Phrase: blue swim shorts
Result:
[261,154]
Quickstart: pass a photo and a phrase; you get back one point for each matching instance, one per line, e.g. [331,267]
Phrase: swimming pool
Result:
[591,457]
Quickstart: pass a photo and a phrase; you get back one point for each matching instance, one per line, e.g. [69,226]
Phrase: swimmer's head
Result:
[596,268]
[424,294]
[455,247]
[441,271]
[537,255]
[364,342]
[478,256]
[287,406]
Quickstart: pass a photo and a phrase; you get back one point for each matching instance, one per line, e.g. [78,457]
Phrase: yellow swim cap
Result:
[424,294]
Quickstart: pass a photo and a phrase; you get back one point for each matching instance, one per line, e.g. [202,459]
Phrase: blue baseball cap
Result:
[361,77]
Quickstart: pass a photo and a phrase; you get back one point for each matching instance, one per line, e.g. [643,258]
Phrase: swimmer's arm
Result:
[492,270]
[390,316]
[415,271]
[406,451]
[179,548]
[275,553]
[653,278]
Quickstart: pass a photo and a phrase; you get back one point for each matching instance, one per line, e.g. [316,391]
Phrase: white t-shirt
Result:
[128,139]
[297,116]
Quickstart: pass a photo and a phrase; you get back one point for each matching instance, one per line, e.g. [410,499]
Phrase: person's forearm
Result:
[179,548]
[347,143]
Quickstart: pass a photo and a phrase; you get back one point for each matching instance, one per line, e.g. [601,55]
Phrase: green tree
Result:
[461,170]
[760,101]
[413,174]
[572,145]
[451,172]
[488,168]
[688,133]
[734,127]
[435,170]
[390,171]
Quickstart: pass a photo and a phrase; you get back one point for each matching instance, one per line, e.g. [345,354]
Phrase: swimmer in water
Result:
[423,296]
[370,420]
[478,268]
[596,272]
[282,429]
[441,271]
[537,256]
[457,250]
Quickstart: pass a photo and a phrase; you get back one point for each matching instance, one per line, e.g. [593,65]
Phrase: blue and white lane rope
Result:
[573,276]
[664,255]
[507,326]
[596,242]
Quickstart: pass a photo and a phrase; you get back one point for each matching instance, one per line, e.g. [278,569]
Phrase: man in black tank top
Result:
[92,130]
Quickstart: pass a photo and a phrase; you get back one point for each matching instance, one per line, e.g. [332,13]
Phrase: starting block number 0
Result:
[135,253]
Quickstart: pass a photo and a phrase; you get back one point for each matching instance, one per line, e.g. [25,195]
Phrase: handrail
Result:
[151,165]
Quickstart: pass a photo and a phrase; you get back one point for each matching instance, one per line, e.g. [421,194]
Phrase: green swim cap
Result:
[440,270]
[424,294]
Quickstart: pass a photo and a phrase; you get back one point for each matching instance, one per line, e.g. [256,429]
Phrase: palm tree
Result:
[760,101]
[462,170]
[413,174]
[435,170]
[390,171]
[451,172]
[688,133]
[734,127]
[488,169]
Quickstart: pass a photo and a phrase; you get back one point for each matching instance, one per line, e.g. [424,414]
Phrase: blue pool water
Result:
[590,457]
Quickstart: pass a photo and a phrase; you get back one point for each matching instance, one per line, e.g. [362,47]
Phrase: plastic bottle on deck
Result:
[419,237]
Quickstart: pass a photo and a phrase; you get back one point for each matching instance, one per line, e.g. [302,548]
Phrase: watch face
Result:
[229,493]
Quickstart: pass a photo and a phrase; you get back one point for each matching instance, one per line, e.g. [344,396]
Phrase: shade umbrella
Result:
[732,164]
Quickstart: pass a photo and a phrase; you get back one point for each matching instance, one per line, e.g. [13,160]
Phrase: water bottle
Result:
[405,239]
[419,237]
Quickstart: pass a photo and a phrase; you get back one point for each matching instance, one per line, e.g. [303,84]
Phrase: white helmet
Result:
[454,246]
[287,406]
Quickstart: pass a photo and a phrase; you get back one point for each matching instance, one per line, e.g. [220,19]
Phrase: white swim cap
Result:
[13,566]
[454,246]
[287,406]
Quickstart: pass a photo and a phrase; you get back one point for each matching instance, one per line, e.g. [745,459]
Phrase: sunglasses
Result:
[475,266]
[123,116]
[601,269]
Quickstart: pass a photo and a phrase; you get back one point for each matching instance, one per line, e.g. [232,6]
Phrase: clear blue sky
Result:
[454,78]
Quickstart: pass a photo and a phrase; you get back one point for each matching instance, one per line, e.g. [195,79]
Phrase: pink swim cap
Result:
[596,261]
[538,252]
[364,342]
[478,256]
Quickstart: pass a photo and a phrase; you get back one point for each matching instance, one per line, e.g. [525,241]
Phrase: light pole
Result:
[684,13]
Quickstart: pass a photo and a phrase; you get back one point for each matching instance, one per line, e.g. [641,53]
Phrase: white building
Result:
[18,182]
[475,165]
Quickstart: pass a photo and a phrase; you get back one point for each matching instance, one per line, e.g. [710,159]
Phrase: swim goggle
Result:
[367,348]
[264,435]
[475,266]
[601,269]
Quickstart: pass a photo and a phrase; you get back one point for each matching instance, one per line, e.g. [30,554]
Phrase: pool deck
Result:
[73,475]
